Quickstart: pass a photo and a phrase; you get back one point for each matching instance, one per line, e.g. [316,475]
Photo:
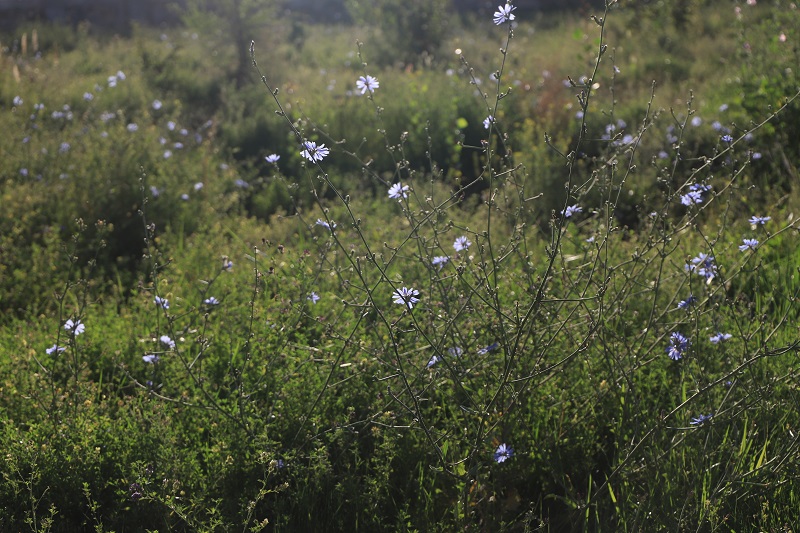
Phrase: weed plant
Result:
[448,300]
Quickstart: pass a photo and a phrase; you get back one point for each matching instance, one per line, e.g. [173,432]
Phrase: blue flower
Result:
[313,297]
[748,244]
[241,183]
[165,340]
[367,83]
[227,264]
[440,260]
[461,244]
[727,139]
[405,296]
[272,158]
[704,266]
[692,197]
[720,337]
[687,303]
[503,452]
[76,327]
[54,349]
[571,210]
[161,302]
[491,347]
[504,14]
[18,101]
[314,153]
[88,96]
[702,419]
[433,360]
[398,191]
[488,121]
[678,344]
[756,220]
[132,127]
[327,225]
[455,352]
[211,301]
[64,148]
[150,358]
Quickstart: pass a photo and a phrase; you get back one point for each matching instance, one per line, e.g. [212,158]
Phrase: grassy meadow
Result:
[421,271]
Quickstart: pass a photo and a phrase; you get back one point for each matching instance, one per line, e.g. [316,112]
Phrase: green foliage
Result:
[282,388]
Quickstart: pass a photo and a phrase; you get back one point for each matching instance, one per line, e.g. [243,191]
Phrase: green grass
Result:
[274,411]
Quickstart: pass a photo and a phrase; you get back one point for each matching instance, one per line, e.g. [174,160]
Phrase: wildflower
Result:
[720,337]
[313,297]
[504,14]
[678,344]
[461,244]
[171,125]
[367,83]
[748,244]
[723,108]
[163,303]
[488,121]
[23,172]
[185,197]
[74,326]
[313,153]
[157,104]
[491,347]
[183,131]
[756,155]
[702,419]
[88,96]
[696,121]
[178,146]
[704,266]
[455,352]
[440,260]
[132,127]
[503,452]
[571,210]
[155,191]
[272,158]
[17,101]
[167,154]
[405,296]
[727,139]
[695,194]
[433,360]
[121,75]
[151,358]
[328,225]
[64,148]
[54,349]
[398,191]
[211,301]
[241,183]
[227,264]
[199,185]
[755,220]
[166,341]
[135,491]
[687,303]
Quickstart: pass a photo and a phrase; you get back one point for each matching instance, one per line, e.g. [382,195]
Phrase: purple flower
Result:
[18,101]
[405,296]
[227,264]
[314,153]
[461,244]
[157,104]
[313,297]
[54,349]
[687,303]
[678,344]
[702,419]
[704,266]
[720,337]
[398,191]
[367,83]
[327,225]
[132,127]
[748,244]
[488,121]
[166,341]
[756,220]
[504,14]
[503,452]
[491,347]
[272,158]
[727,139]
[74,326]
[440,260]
[433,360]
[163,303]
[150,358]
[211,301]
[571,210]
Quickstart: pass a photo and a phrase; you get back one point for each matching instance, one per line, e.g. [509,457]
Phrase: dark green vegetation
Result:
[247,403]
